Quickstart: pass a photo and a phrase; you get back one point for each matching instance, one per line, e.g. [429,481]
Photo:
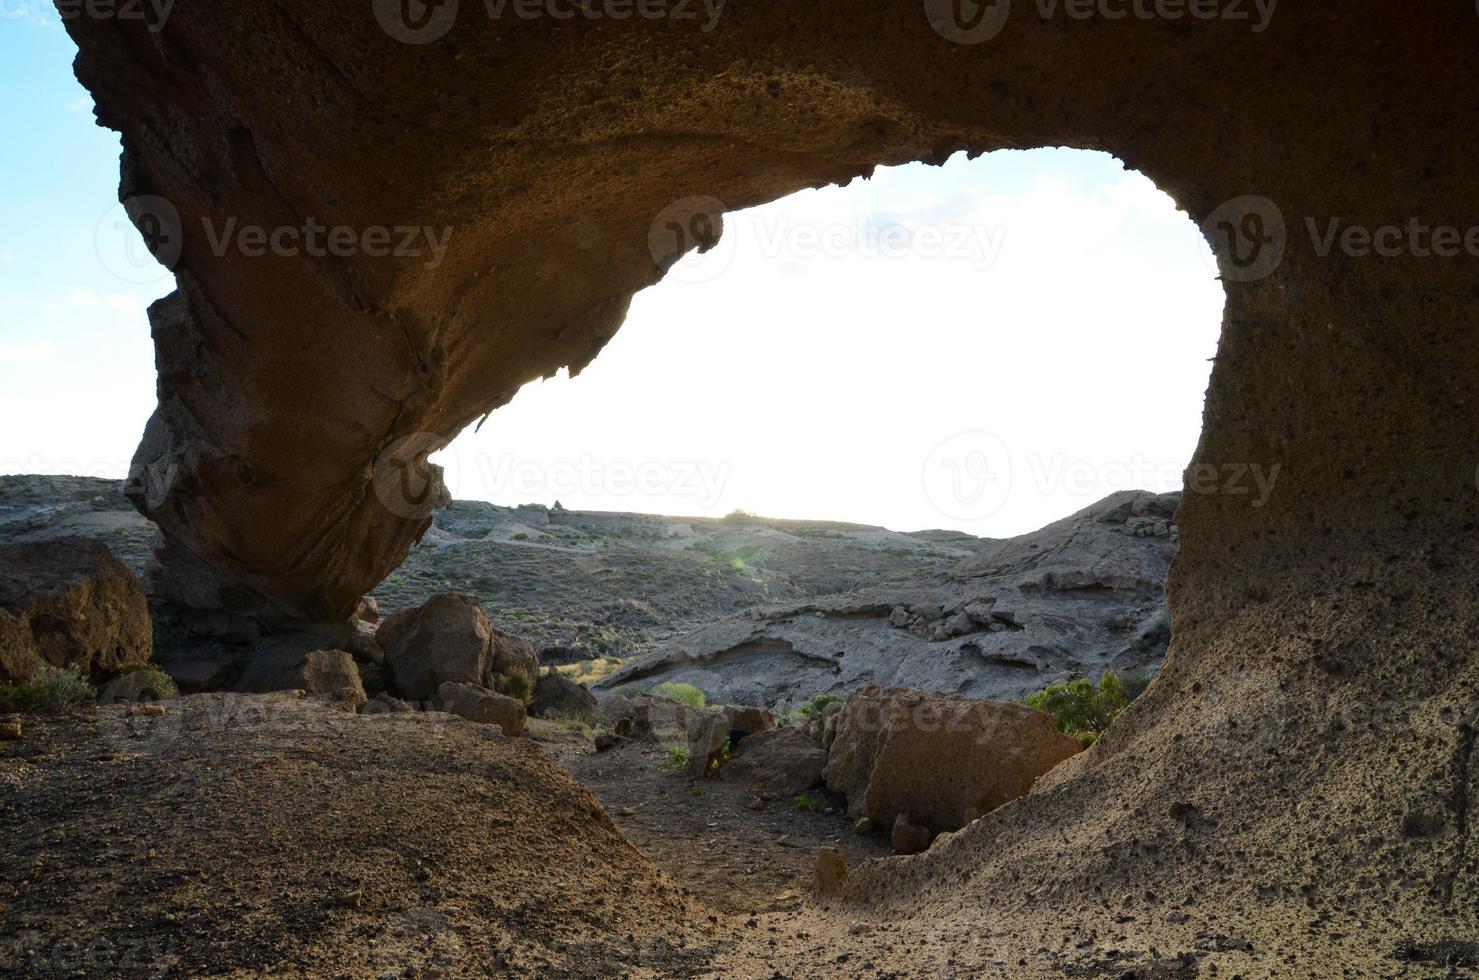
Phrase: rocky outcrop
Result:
[782,762]
[941,761]
[483,706]
[1318,146]
[69,603]
[1076,598]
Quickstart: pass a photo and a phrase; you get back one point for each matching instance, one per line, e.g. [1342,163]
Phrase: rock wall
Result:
[299,395]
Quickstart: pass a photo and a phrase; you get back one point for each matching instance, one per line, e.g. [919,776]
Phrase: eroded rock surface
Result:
[69,603]
[1077,598]
[938,760]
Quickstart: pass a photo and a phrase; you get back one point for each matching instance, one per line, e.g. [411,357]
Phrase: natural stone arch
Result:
[550,147]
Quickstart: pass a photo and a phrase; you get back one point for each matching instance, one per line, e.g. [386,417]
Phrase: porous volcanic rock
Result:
[939,759]
[301,394]
[69,603]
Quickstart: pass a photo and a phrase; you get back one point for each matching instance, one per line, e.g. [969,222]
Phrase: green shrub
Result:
[1084,710]
[51,690]
[682,693]
[514,685]
[817,705]
[805,801]
[677,758]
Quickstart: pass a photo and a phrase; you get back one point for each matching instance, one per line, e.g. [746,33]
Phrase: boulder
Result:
[445,640]
[368,610]
[557,696]
[909,837]
[10,728]
[514,655]
[707,734]
[940,759]
[69,603]
[782,761]
[329,672]
[362,642]
[483,706]
[708,730]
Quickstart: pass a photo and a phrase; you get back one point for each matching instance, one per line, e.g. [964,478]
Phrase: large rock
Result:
[514,656]
[69,603]
[710,729]
[782,761]
[938,759]
[557,696]
[483,706]
[448,639]
[316,672]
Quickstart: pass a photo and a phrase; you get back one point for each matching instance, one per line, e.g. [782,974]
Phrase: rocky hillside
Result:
[750,609]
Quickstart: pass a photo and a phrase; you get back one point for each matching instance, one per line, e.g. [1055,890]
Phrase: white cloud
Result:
[125,302]
[84,297]
[79,105]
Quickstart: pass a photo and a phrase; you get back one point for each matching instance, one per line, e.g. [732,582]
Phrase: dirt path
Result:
[706,836]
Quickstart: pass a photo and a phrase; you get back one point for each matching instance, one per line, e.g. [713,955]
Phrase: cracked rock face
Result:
[299,394]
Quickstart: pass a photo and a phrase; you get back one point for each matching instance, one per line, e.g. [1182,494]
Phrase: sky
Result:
[987,346]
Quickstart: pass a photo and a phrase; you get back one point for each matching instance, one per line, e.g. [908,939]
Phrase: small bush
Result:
[1084,710]
[682,693]
[514,686]
[817,705]
[51,690]
[677,758]
[805,801]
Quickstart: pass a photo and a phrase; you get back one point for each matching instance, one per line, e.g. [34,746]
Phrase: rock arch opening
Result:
[1241,808]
